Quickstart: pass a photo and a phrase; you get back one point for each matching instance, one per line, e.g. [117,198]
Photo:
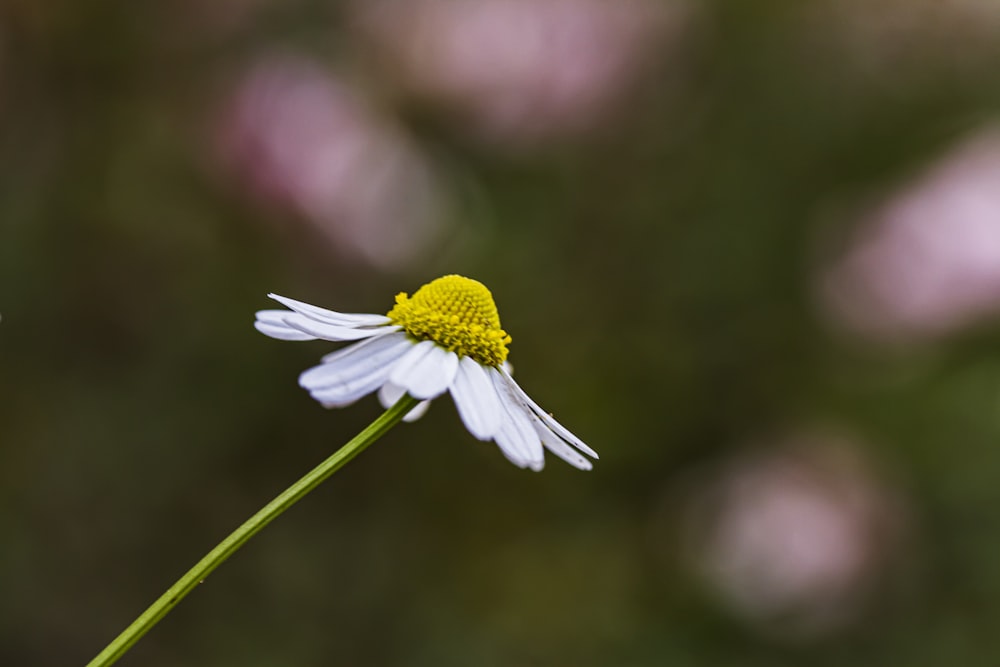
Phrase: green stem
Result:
[251,527]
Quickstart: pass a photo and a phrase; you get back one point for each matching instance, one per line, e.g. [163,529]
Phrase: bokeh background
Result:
[750,252]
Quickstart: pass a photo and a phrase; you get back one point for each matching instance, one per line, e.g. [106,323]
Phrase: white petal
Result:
[427,371]
[269,322]
[557,446]
[547,419]
[330,316]
[363,356]
[332,331]
[349,349]
[476,399]
[390,393]
[510,452]
[360,370]
[432,375]
[419,351]
[517,438]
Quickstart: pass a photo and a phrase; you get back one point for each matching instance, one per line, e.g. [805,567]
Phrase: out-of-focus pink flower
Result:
[519,70]
[791,538]
[928,261]
[296,136]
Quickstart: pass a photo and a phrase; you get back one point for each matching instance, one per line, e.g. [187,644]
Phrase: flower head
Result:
[445,338]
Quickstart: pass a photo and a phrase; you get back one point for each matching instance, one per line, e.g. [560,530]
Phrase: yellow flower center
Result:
[458,314]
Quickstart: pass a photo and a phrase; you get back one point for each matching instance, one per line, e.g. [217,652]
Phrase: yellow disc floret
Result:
[458,314]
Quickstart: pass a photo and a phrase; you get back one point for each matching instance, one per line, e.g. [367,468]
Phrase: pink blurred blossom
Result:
[296,136]
[520,70]
[792,537]
[927,262]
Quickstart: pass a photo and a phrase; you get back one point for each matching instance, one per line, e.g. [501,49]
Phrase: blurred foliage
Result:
[657,275]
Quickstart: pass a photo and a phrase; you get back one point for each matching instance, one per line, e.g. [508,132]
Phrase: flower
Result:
[446,337]
[925,263]
[294,136]
[518,72]
[794,534]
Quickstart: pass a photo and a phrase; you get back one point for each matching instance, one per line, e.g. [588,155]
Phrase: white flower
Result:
[446,337]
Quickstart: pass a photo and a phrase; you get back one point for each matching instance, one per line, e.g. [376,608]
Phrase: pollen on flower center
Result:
[458,314]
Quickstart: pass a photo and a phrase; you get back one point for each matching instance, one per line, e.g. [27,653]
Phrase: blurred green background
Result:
[664,198]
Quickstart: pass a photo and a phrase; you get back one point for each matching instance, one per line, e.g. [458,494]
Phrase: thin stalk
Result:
[251,527]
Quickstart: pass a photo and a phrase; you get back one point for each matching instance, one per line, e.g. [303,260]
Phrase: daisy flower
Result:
[445,338]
